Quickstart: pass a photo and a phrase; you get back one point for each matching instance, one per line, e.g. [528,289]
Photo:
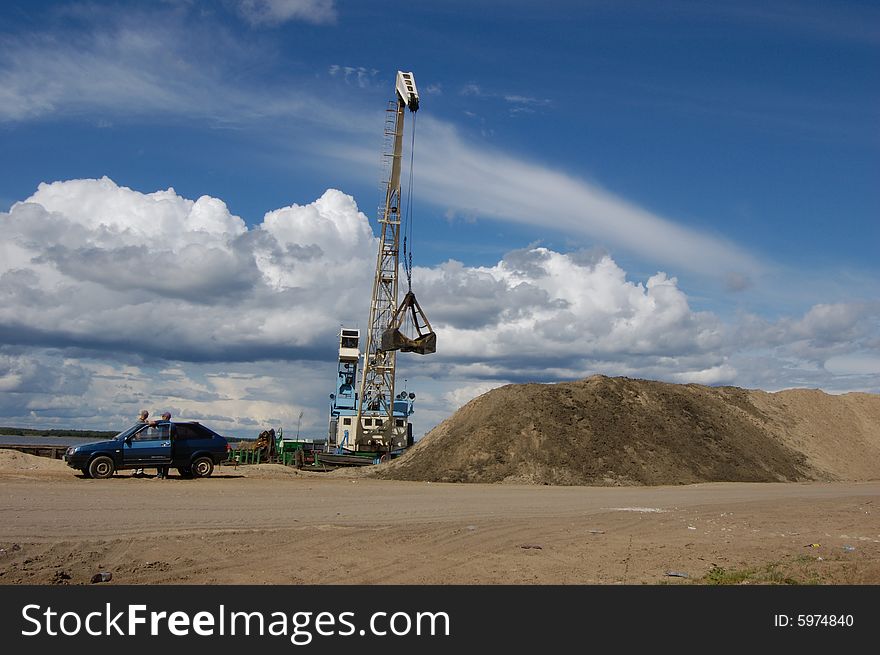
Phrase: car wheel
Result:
[101,467]
[185,472]
[202,467]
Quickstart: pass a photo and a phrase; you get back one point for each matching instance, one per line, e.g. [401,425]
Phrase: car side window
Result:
[188,432]
[153,433]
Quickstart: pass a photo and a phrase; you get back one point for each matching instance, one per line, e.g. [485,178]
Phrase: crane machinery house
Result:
[369,416]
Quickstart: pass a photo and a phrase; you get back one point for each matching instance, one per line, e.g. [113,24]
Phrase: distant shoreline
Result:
[56,432]
[86,435]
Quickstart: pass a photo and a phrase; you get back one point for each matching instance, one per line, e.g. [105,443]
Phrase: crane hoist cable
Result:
[407,220]
[409,319]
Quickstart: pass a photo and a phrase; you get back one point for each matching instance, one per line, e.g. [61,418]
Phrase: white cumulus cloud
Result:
[112,299]
[549,307]
[91,264]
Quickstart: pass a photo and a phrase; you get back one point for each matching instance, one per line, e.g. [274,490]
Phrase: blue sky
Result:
[683,191]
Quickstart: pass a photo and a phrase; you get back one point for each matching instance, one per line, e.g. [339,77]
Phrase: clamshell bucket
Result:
[409,318]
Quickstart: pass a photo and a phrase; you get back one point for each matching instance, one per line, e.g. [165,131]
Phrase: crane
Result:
[372,418]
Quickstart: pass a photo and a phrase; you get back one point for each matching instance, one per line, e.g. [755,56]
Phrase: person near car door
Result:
[162,471]
[142,418]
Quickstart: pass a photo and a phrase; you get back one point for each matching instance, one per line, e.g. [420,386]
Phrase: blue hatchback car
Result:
[190,447]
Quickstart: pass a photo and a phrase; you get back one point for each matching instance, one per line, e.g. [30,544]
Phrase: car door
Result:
[187,438]
[149,446]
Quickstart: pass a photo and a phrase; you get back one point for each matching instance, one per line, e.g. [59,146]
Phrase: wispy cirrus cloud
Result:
[357,75]
[276,12]
[518,103]
[126,67]
[141,71]
[479,181]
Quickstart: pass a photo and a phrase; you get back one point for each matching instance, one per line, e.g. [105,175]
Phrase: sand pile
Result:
[839,435]
[621,431]
[17,464]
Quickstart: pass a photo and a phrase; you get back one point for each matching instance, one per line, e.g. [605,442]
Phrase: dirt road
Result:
[269,525]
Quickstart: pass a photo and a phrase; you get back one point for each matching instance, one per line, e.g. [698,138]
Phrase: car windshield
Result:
[129,431]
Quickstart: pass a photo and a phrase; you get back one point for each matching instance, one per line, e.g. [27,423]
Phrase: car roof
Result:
[174,422]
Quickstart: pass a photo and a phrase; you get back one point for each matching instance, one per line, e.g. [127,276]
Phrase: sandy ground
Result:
[269,524]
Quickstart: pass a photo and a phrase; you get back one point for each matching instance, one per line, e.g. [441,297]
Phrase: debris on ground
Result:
[61,577]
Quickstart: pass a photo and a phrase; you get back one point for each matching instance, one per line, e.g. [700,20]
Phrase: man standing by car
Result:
[162,471]
[142,418]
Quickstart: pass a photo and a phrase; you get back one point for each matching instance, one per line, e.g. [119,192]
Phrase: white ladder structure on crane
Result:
[377,392]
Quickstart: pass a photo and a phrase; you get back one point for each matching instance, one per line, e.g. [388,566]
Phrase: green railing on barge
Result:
[287,457]
[244,456]
[303,454]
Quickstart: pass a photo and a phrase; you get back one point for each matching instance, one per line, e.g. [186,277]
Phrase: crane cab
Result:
[373,434]
[406,90]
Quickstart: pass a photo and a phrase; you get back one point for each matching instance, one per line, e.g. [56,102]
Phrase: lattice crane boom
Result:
[377,391]
[375,420]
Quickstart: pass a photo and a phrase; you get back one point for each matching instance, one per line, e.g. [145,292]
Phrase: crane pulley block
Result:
[409,330]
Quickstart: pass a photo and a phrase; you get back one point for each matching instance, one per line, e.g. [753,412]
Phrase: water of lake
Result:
[6,439]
